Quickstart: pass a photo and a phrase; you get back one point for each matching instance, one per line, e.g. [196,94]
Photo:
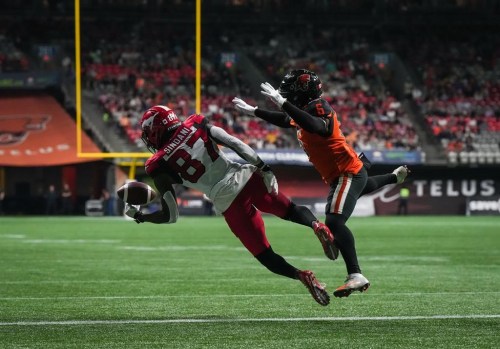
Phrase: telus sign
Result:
[442,197]
[451,188]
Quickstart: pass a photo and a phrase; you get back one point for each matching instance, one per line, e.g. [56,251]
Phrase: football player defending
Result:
[318,132]
[187,153]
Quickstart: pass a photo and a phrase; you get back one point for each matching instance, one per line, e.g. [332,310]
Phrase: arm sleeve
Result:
[243,150]
[169,212]
[169,204]
[318,124]
[277,118]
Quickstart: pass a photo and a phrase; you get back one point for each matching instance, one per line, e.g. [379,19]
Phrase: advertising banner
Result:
[29,80]
[37,131]
[436,196]
[299,157]
[483,206]
[431,196]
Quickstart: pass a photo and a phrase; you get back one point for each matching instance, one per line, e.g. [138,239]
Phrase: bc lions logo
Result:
[14,129]
[302,82]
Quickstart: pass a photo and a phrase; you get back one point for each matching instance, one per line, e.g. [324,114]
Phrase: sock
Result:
[344,240]
[277,264]
[300,215]
[376,182]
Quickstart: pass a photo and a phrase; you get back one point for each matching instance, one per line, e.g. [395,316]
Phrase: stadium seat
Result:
[464,157]
[490,157]
[481,157]
[497,157]
[473,157]
[452,157]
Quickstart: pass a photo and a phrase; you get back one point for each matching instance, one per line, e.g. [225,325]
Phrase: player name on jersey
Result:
[178,140]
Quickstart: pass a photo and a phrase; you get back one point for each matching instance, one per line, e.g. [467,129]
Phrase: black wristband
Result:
[265,168]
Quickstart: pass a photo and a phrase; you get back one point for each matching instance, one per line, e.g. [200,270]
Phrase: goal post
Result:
[78,88]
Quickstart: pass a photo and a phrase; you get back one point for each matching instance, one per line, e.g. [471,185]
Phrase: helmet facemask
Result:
[149,140]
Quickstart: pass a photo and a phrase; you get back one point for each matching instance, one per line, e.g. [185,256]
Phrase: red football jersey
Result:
[331,155]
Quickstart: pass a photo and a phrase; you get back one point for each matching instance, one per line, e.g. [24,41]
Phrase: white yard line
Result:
[69,241]
[123,281]
[232,320]
[409,294]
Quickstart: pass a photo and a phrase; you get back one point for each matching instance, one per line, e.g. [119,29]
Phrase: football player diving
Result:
[187,153]
[319,134]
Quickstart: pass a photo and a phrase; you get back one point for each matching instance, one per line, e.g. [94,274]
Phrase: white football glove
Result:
[133,211]
[244,106]
[269,91]
[269,180]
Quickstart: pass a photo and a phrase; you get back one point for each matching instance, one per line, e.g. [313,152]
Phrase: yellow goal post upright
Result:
[133,157]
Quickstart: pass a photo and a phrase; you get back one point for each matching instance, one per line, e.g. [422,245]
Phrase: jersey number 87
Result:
[182,162]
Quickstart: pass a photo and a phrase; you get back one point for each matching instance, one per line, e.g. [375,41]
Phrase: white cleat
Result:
[353,282]
[401,173]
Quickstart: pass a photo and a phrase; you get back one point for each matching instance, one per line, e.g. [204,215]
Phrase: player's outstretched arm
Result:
[245,152]
[313,124]
[169,212]
[310,123]
[277,118]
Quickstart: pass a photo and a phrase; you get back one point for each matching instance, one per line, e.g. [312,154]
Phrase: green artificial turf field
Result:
[110,283]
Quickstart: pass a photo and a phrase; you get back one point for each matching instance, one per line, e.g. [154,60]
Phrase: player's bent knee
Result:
[335,221]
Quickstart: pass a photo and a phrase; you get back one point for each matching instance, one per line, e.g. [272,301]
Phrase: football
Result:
[136,193]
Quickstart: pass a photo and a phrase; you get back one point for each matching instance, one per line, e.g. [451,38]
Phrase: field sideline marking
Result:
[409,294]
[178,321]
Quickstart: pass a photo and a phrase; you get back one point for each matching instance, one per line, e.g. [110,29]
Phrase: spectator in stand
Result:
[157,76]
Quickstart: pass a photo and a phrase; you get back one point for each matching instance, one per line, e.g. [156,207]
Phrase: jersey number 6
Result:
[319,109]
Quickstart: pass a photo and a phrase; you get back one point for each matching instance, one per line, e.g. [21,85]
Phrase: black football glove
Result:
[133,211]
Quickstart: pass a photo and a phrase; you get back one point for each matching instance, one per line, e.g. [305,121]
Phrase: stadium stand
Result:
[461,93]
[127,83]
[372,117]
[128,74]
[129,67]
[400,82]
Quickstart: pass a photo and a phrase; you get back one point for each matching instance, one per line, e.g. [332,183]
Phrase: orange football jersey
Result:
[331,156]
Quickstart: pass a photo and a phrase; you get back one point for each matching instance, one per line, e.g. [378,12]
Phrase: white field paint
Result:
[308,319]
[392,295]
[68,241]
